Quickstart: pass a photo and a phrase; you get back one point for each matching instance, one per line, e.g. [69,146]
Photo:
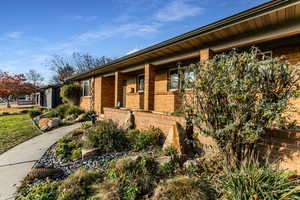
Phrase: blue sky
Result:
[32,31]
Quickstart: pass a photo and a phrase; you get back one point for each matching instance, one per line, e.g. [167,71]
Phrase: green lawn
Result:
[15,129]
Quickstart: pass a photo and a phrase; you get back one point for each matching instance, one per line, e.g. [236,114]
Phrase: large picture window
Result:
[141,83]
[86,87]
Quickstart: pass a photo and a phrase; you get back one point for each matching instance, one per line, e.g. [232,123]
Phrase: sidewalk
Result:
[17,162]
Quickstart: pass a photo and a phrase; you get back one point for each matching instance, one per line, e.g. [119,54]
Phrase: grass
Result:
[15,129]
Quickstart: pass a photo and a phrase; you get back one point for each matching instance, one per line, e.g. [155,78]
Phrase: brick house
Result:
[147,80]
[145,83]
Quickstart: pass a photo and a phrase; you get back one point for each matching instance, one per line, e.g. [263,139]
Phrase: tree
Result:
[35,78]
[235,97]
[14,86]
[61,67]
[64,67]
[86,62]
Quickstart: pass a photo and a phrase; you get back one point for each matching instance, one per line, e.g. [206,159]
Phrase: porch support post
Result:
[118,88]
[149,87]
[206,54]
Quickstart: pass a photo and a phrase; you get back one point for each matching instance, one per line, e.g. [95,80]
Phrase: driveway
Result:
[17,162]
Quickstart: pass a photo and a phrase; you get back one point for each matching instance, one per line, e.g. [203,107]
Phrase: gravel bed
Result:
[49,159]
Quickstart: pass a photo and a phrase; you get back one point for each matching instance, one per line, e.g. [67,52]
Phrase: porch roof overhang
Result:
[272,20]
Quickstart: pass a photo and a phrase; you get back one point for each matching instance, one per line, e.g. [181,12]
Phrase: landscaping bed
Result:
[131,164]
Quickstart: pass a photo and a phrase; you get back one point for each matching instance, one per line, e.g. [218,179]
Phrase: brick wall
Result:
[144,120]
[85,103]
[292,54]
[104,93]
[116,115]
[135,100]
[284,148]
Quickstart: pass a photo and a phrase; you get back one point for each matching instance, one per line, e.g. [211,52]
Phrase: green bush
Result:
[74,110]
[68,149]
[132,177]
[235,96]
[79,185]
[252,179]
[183,188]
[71,94]
[41,191]
[62,110]
[107,137]
[144,140]
[34,113]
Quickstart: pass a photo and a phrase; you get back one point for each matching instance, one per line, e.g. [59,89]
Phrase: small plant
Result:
[62,110]
[135,177]
[41,191]
[68,148]
[34,113]
[86,125]
[74,110]
[144,140]
[183,188]
[71,94]
[255,181]
[79,185]
[171,151]
[107,137]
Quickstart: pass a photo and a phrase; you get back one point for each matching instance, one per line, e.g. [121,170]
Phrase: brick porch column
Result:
[118,88]
[206,54]
[149,87]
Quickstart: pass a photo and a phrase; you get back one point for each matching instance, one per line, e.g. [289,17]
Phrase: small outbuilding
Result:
[49,96]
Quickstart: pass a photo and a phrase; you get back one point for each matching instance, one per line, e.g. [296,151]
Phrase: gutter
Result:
[252,12]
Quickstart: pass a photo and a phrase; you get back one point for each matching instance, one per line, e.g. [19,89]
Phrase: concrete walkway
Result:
[17,162]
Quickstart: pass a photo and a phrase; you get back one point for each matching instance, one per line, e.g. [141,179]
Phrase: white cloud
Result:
[132,51]
[14,35]
[125,30]
[177,10]
[84,18]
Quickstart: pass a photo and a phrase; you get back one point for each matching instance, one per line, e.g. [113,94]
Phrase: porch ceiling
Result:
[268,19]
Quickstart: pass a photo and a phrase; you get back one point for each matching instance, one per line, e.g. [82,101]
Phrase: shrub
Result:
[88,115]
[41,191]
[79,185]
[135,177]
[74,110]
[24,111]
[252,180]
[144,140]
[53,113]
[171,151]
[182,187]
[62,110]
[34,113]
[107,137]
[235,96]
[68,149]
[71,94]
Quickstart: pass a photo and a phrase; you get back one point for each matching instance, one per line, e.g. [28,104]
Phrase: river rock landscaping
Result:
[130,164]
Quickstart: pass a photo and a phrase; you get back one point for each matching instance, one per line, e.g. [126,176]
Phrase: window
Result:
[189,77]
[85,85]
[141,83]
[174,79]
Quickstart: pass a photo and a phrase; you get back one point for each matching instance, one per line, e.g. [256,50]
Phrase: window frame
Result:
[138,83]
[170,79]
[83,84]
